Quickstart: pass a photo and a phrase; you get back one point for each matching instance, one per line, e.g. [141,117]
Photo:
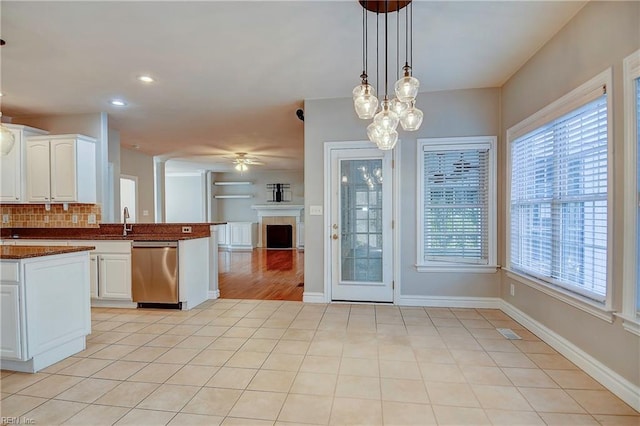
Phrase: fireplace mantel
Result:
[279,210]
[278,213]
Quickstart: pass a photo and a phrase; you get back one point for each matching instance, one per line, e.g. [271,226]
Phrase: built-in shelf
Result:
[231,183]
[232,196]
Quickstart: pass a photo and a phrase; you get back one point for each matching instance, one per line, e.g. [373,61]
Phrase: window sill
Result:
[472,269]
[632,325]
[596,309]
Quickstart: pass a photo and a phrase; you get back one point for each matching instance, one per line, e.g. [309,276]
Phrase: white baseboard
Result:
[313,297]
[450,302]
[213,294]
[106,303]
[617,384]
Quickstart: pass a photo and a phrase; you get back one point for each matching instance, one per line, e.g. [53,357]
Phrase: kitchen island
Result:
[45,305]
[111,262]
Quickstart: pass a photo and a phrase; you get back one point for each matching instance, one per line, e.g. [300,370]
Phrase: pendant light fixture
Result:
[7,139]
[401,110]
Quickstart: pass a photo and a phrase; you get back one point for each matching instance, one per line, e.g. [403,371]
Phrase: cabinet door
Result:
[10,342]
[63,170]
[11,172]
[93,275]
[115,276]
[38,171]
[241,234]
[223,239]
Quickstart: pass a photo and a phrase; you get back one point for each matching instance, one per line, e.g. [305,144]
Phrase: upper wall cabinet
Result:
[12,170]
[61,169]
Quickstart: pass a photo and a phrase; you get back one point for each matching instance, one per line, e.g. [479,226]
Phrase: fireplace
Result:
[279,214]
[279,236]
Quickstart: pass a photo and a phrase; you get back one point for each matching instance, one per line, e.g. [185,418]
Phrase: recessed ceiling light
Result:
[146,79]
[117,102]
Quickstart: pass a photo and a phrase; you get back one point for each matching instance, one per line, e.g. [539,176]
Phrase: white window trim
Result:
[631,71]
[567,103]
[461,142]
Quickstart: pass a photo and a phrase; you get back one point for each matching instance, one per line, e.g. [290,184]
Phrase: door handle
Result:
[334,236]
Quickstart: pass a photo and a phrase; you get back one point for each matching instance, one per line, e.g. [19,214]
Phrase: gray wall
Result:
[239,209]
[598,37]
[135,163]
[451,113]
[114,163]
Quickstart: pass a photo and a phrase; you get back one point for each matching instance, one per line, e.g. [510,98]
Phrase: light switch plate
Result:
[315,210]
[5,218]
[145,212]
[74,218]
[91,219]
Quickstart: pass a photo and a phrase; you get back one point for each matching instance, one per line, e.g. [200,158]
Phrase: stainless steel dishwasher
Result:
[154,274]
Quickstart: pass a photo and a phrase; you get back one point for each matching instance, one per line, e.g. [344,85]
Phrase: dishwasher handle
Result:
[154,244]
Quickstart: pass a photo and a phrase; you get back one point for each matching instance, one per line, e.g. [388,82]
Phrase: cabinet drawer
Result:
[10,272]
[102,246]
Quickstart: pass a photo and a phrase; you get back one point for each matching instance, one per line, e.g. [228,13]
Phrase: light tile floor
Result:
[251,362]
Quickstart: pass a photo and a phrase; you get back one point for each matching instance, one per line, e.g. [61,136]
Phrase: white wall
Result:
[185,197]
[136,163]
[239,209]
[598,37]
[114,184]
[450,113]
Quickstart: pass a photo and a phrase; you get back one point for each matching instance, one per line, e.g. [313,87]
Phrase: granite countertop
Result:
[113,231]
[25,252]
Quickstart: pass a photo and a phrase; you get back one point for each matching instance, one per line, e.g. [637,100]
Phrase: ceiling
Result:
[231,74]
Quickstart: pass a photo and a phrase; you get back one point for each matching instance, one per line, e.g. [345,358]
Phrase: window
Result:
[631,276]
[559,189]
[128,197]
[457,204]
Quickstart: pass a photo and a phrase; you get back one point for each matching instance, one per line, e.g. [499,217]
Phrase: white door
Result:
[38,171]
[63,170]
[361,225]
[11,171]
[115,276]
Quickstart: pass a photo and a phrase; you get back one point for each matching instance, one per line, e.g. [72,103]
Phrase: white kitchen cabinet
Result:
[61,169]
[12,170]
[238,236]
[11,343]
[109,270]
[114,276]
[45,310]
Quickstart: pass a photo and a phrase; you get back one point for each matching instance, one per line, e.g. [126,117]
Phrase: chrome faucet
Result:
[126,228]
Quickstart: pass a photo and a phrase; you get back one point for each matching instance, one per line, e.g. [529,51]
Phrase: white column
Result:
[159,199]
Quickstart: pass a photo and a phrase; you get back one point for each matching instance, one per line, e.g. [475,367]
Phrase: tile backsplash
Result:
[37,216]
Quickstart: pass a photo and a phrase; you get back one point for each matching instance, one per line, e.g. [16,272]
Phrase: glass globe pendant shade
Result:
[386,119]
[241,167]
[7,140]
[411,119]
[374,132]
[387,140]
[407,87]
[398,106]
[362,89]
[366,105]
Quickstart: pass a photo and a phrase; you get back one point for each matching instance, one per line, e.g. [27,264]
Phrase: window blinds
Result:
[559,201]
[456,204]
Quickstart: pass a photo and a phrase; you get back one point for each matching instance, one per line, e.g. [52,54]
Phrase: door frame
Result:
[328,204]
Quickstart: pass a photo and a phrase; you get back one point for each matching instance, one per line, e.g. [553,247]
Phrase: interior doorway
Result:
[129,197]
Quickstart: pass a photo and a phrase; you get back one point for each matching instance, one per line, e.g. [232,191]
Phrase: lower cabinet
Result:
[44,310]
[110,269]
[111,276]
[10,316]
[238,236]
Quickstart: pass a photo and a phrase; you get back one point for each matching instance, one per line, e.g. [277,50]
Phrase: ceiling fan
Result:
[242,161]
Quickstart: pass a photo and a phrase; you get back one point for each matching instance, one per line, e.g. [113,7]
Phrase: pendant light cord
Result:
[386,49]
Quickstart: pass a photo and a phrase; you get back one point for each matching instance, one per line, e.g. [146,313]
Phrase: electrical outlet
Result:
[46,219]
[47,207]
[5,218]
[74,218]
[91,219]
[186,229]
[512,290]
[145,212]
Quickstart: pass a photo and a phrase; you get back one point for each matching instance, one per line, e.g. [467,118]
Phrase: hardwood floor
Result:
[261,274]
